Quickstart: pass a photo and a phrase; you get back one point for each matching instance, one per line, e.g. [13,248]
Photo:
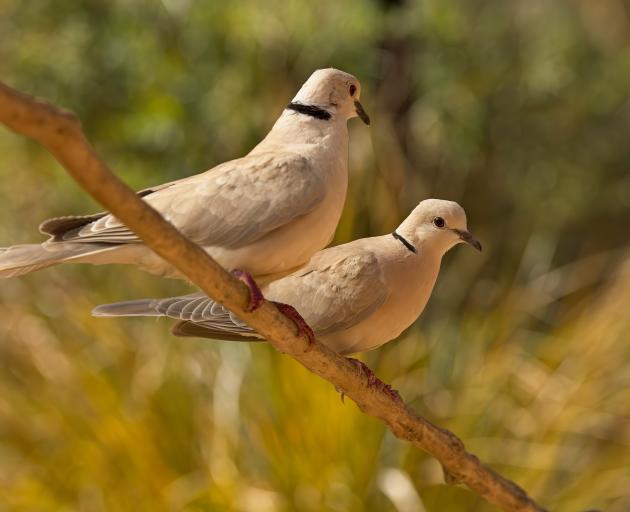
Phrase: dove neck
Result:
[310,110]
[408,245]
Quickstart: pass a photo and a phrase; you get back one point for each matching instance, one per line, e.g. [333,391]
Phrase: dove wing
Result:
[336,290]
[229,206]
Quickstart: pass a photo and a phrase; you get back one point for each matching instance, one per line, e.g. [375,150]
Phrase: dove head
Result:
[437,224]
[334,93]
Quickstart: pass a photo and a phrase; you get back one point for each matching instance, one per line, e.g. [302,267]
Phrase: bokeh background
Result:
[520,111]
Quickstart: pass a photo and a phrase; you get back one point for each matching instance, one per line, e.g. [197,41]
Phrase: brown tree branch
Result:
[60,132]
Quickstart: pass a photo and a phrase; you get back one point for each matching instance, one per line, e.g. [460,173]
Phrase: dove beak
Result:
[361,113]
[465,236]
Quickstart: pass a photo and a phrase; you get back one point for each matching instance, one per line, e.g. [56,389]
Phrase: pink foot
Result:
[292,314]
[374,381]
[256,297]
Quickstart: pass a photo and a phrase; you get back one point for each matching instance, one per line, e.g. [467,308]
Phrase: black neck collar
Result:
[310,110]
[405,242]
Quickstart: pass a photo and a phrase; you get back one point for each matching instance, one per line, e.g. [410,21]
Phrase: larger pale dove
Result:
[355,296]
[265,213]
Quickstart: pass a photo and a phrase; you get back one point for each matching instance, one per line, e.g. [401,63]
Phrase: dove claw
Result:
[303,329]
[373,381]
[342,394]
[256,297]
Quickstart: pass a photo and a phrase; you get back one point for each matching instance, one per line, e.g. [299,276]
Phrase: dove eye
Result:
[353,89]
[439,222]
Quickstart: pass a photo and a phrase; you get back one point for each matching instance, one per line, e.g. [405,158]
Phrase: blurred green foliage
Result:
[518,110]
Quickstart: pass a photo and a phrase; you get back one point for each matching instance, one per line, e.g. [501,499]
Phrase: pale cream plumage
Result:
[265,213]
[355,296]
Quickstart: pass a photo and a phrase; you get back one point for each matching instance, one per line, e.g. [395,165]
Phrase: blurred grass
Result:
[517,110]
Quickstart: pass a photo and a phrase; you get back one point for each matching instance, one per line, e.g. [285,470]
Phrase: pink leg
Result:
[374,381]
[292,314]
[256,297]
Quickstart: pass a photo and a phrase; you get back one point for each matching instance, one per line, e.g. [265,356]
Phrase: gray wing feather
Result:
[196,308]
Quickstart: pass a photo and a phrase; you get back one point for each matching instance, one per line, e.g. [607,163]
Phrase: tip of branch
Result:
[61,115]
[28,114]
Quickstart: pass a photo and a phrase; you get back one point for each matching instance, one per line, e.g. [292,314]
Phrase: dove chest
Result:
[409,285]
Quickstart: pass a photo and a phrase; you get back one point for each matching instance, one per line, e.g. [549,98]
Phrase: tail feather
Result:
[186,328]
[140,307]
[24,259]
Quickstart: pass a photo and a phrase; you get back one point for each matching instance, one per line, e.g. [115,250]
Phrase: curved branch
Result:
[60,132]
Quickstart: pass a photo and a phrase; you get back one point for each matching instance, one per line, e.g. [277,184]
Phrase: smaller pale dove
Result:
[355,297]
